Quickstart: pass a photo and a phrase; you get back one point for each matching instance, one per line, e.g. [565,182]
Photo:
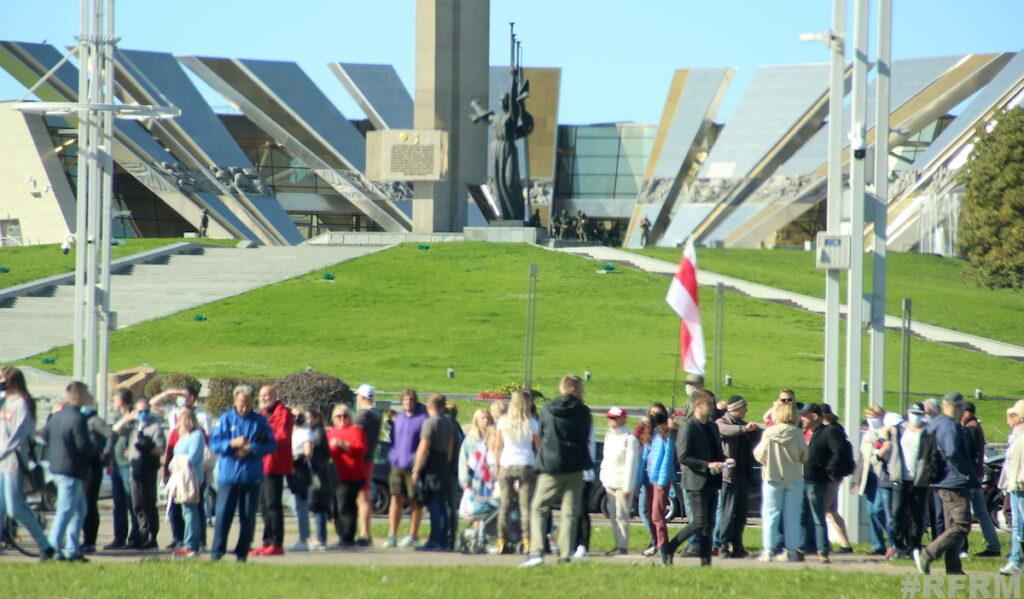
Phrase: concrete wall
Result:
[33,187]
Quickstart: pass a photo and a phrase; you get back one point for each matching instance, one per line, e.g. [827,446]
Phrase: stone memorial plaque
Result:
[406,155]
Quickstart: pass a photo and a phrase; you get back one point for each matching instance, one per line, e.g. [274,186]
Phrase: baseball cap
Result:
[953,397]
[969,407]
[917,408]
[615,412]
[811,408]
[367,391]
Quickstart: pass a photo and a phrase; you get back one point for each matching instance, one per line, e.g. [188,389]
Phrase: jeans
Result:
[701,516]
[194,524]
[567,487]
[12,504]
[124,515]
[320,518]
[644,510]
[67,522]
[781,502]
[301,507]
[816,495]
[244,498]
[956,508]
[980,510]
[437,505]
[345,494]
[271,493]
[909,509]
[1017,512]
[879,501]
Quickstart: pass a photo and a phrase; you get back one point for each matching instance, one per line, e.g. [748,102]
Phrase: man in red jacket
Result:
[276,466]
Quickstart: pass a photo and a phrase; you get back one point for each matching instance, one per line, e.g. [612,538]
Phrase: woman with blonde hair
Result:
[515,446]
[782,453]
[191,443]
[1011,481]
[474,464]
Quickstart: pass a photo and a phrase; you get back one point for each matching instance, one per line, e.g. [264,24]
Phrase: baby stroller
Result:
[481,516]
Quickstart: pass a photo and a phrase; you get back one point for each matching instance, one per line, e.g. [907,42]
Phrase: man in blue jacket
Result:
[241,439]
[953,487]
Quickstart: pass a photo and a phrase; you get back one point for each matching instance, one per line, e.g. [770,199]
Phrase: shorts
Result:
[400,483]
[832,496]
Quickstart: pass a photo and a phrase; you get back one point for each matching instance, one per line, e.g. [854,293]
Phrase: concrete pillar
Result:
[452,59]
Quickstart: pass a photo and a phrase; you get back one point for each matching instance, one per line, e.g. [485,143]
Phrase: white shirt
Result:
[517,452]
[300,435]
[910,445]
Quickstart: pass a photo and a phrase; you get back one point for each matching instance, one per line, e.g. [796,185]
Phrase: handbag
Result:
[32,473]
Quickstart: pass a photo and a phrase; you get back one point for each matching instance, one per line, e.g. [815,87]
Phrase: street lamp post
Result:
[96,111]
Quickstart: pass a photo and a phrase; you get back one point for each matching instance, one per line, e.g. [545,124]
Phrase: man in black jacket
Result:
[564,454]
[699,450]
[821,468]
[70,450]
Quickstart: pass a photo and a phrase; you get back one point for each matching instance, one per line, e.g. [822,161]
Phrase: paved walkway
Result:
[796,300]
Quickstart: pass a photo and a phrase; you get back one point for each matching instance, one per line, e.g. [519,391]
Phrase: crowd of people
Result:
[515,463]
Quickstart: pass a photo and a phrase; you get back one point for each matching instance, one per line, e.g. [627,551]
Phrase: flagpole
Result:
[678,367]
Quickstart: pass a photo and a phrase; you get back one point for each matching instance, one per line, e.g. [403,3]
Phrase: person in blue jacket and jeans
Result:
[241,439]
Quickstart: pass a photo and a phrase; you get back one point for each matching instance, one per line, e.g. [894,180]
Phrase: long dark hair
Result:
[16,386]
[658,414]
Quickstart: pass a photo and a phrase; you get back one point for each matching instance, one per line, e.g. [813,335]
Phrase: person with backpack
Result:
[847,466]
[950,470]
[979,507]
[17,423]
[824,465]
[190,446]
[99,430]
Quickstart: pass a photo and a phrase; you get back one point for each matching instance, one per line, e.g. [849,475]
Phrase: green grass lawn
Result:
[936,285]
[401,317]
[204,579]
[31,262]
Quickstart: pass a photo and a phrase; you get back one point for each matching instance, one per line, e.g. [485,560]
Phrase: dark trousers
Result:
[144,502]
[91,524]
[177,523]
[454,496]
[273,514]
[735,497]
[814,506]
[123,512]
[439,523]
[956,506]
[243,498]
[909,509]
[702,517]
[345,495]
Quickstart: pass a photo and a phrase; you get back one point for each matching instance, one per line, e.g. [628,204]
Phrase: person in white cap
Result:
[618,474]
[369,419]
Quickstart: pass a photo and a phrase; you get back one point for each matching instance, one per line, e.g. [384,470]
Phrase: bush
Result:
[314,391]
[222,389]
[170,380]
[992,211]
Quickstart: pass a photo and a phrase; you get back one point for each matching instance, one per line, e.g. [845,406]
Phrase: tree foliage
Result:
[992,211]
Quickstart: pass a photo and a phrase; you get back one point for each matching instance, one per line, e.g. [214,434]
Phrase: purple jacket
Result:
[405,438]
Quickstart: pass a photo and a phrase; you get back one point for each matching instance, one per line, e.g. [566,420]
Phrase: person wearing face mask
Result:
[871,478]
[909,491]
[618,474]
[145,446]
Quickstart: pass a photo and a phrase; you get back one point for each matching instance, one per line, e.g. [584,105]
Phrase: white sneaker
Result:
[766,556]
[784,557]
[317,546]
[1010,569]
[922,563]
[581,553]
[408,541]
[390,542]
[300,546]
[533,562]
[964,555]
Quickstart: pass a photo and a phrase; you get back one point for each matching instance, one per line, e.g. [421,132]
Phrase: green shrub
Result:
[314,391]
[222,388]
[171,380]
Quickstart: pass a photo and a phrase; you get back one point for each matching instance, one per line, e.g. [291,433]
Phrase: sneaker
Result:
[273,550]
[615,552]
[47,555]
[845,550]
[408,541]
[1010,569]
[766,556]
[651,551]
[988,553]
[581,553]
[824,559]
[533,562]
[183,552]
[317,546]
[923,564]
[173,545]
[88,549]
[257,552]
[115,546]
[363,542]
[300,546]
[390,542]
[782,558]
[147,545]
[964,555]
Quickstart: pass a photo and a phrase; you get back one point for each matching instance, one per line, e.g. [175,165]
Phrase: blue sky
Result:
[616,56]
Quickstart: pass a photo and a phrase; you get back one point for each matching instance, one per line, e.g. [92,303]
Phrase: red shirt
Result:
[282,421]
[348,462]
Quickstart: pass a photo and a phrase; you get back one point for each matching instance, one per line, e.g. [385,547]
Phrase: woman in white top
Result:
[515,445]
[299,480]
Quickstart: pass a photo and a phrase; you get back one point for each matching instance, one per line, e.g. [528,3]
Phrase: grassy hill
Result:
[940,294]
[31,262]
[401,317]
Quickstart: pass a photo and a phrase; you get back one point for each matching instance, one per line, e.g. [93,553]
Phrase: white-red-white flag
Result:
[682,296]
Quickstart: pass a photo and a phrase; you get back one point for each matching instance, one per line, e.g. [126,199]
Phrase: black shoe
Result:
[78,558]
[115,546]
[988,553]
[47,555]
[173,545]
[363,542]
[705,561]
[666,552]
[147,545]
[88,549]
[845,550]
[877,552]
[739,553]
[59,557]
[689,553]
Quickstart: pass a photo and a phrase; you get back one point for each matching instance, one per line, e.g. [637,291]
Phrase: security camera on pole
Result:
[96,111]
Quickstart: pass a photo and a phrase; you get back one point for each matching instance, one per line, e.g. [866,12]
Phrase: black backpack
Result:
[846,463]
[932,466]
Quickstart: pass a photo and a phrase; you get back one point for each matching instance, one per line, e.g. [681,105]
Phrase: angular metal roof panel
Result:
[700,90]
[379,92]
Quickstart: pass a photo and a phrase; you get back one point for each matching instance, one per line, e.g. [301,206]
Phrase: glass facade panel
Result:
[602,162]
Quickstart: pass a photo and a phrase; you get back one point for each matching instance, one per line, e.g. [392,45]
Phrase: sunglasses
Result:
[341,416]
[786,399]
